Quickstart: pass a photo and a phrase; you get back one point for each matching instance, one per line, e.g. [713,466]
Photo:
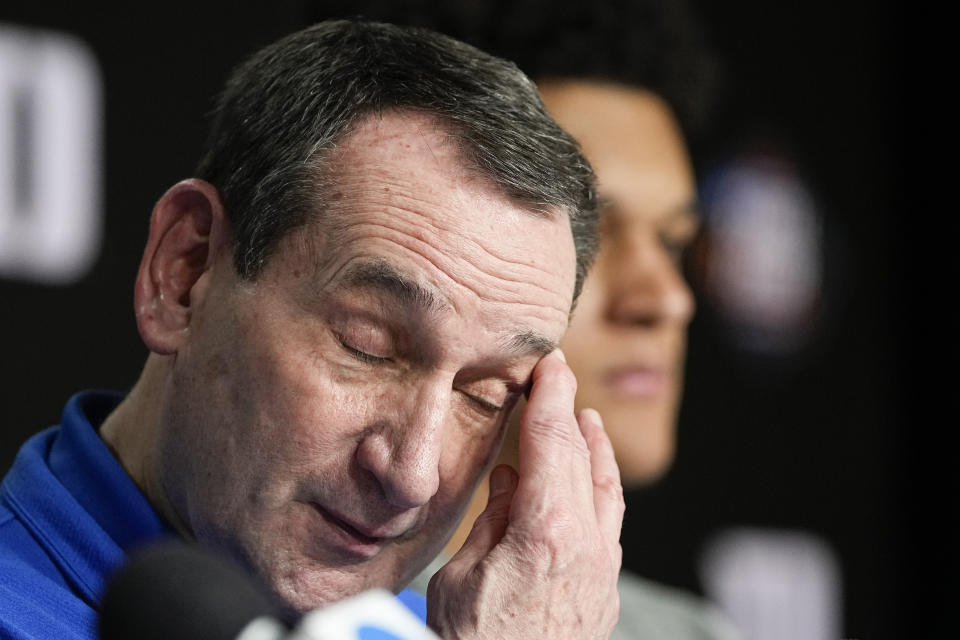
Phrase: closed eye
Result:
[362,356]
[492,408]
[485,405]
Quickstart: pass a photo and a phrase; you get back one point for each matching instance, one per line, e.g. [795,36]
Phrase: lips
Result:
[353,529]
[638,381]
[351,537]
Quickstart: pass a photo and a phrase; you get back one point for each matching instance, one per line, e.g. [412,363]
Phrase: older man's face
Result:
[329,421]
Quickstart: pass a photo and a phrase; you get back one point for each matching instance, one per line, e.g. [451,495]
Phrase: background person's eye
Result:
[675,246]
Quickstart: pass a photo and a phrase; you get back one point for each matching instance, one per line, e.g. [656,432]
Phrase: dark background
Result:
[830,441]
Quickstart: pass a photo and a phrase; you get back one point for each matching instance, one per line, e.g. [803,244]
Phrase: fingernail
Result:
[559,353]
[594,416]
[499,481]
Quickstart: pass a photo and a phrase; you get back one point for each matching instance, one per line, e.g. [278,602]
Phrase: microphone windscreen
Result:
[183,591]
[372,615]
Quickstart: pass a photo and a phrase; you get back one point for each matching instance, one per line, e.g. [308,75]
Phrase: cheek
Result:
[307,414]
[268,409]
[644,441]
[468,456]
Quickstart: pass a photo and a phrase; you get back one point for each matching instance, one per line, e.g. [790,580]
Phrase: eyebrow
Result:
[385,277]
[687,209]
[531,342]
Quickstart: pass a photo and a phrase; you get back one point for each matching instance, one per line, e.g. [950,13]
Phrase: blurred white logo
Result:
[371,615]
[50,160]
[775,584]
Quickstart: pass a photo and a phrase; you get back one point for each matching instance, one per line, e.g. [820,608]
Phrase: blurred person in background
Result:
[629,81]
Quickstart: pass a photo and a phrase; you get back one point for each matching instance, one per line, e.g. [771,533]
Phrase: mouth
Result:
[638,381]
[350,537]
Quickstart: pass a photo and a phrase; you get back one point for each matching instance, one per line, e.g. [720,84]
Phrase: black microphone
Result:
[188,592]
[183,591]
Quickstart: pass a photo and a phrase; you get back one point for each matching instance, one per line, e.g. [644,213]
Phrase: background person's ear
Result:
[188,228]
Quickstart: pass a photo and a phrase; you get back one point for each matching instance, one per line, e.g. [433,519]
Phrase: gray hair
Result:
[282,110]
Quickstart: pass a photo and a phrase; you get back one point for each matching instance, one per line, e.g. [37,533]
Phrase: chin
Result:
[302,590]
[644,445]
[635,474]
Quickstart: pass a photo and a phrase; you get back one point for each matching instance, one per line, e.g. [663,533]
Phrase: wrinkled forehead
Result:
[399,188]
[410,169]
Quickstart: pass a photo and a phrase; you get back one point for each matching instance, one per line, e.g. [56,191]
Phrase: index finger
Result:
[549,433]
[607,488]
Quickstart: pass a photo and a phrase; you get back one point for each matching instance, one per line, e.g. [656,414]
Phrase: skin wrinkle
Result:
[410,346]
[466,280]
[521,337]
[532,306]
[437,225]
[343,234]
[381,275]
[464,183]
[464,180]
[476,244]
[536,308]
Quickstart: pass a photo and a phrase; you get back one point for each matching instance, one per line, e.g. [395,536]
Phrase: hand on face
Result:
[542,560]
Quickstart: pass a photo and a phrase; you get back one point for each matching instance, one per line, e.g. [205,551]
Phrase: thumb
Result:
[490,525]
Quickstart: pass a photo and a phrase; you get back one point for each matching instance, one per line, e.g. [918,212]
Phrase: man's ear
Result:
[188,229]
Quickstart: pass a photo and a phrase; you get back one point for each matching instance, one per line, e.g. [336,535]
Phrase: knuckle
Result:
[551,426]
[556,540]
[599,440]
[610,486]
[439,584]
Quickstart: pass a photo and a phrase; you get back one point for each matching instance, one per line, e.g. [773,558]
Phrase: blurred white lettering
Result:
[50,162]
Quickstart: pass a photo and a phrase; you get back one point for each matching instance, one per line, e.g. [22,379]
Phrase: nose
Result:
[647,288]
[403,451]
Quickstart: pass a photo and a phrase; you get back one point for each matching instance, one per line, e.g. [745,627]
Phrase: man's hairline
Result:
[323,160]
